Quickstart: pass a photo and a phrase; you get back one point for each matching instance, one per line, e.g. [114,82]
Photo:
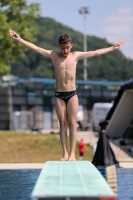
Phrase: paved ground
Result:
[90,138]
[40,165]
[21,166]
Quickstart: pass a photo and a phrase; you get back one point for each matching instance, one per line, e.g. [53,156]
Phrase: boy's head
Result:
[65,44]
[64,39]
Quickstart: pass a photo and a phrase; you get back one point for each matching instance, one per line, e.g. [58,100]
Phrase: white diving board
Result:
[66,180]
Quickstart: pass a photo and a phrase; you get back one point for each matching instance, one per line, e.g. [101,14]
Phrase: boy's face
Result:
[65,49]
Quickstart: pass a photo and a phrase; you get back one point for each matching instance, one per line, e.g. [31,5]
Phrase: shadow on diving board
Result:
[76,180]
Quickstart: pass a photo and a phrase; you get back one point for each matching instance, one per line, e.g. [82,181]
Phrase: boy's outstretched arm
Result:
[89,54]
[32,46]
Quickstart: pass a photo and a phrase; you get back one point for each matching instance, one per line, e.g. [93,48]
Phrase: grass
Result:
[33,148]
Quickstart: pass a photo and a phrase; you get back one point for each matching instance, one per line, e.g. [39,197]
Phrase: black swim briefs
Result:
[65,96]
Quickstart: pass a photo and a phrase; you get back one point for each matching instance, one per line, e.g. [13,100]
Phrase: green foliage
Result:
[16,15]
[111,66]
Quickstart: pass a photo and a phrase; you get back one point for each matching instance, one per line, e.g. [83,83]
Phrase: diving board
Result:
[120,116]
[65,180]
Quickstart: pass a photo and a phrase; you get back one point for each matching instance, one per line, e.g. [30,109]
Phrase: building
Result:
[29,102]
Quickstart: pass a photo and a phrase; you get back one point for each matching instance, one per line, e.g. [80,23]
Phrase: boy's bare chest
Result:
[67,64]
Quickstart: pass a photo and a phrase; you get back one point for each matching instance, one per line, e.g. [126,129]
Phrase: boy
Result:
[66,100]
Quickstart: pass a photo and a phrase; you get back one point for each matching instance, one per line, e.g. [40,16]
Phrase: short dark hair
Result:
[64,39]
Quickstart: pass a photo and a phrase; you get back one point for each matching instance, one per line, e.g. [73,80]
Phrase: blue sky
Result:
[112,19]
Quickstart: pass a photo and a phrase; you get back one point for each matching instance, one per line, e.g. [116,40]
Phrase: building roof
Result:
[51,81]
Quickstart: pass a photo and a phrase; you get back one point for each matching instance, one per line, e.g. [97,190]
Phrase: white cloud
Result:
[119,25]
[124,10]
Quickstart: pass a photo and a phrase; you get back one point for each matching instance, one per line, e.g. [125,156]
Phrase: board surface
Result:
[71,178]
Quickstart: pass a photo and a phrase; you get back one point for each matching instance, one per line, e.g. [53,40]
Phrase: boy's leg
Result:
[60,106]
[72,109]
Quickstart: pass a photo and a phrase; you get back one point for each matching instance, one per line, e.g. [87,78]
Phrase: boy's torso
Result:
[65,71]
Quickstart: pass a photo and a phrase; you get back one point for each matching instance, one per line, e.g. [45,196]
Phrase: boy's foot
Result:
[72,157]
[65,157]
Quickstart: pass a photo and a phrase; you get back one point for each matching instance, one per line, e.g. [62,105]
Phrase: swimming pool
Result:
[18,184]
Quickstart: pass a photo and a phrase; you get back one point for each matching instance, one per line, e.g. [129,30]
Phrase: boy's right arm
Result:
[30,45]
[89,54]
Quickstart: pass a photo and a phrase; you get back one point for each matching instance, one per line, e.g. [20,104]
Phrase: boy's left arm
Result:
[89,54]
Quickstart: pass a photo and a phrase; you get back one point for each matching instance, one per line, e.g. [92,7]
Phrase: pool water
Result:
[18,184]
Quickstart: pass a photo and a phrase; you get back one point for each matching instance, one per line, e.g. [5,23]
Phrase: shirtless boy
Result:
[66,99]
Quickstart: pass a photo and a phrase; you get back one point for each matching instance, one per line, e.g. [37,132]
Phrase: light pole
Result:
[85,11]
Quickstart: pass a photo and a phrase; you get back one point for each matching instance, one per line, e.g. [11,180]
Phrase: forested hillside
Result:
[112,66]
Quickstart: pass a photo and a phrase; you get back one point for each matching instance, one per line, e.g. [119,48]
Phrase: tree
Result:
[16,15]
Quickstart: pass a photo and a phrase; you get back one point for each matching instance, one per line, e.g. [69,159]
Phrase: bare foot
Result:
[65,157]
[72,157]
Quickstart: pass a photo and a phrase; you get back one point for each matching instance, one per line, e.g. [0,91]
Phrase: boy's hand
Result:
[118,44]
[14,35]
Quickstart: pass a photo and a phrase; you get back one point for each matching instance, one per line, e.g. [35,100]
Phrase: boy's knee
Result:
[63,124]
[72,125]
